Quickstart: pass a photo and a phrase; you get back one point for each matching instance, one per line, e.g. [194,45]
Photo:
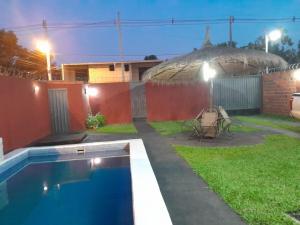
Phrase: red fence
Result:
[24,110]
[176,102]
[113,101]
[24,114]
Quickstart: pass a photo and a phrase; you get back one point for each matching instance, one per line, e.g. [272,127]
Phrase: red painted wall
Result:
[77,102]
[175,102]
[113,101]
[24,114]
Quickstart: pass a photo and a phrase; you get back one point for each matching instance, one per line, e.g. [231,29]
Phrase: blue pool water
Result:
[79,192]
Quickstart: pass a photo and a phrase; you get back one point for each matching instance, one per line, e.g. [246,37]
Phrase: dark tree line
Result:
[285,47]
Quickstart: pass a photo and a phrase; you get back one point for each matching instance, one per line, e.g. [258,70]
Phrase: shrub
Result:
[93,122]
[101,119]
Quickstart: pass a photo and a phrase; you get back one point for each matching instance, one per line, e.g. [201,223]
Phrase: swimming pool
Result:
[86,184]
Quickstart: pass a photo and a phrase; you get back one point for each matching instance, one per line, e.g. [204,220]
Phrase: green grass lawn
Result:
[236,128]
[117,129]
[271,121]
[169,127]
[279,117]
[260,182]
[174,127]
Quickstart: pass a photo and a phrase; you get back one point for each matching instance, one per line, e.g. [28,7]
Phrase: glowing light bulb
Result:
[91,91]
[275,35]
[43,46]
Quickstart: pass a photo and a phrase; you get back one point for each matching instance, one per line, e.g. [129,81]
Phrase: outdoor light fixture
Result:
[45,47]
[91,91]
[272,36]
[296,75]
[36,89]
[208,72]
[208,75]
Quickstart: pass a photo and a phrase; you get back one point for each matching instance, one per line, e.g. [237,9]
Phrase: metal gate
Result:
[238,93]
[58,103]
[138,100]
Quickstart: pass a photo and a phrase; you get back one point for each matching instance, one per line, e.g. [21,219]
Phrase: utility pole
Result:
[45,26]
[118,24]
[231,20]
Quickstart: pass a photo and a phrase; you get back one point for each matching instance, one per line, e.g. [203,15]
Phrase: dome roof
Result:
[226,61]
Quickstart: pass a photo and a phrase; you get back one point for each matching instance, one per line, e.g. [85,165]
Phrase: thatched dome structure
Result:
[226,61]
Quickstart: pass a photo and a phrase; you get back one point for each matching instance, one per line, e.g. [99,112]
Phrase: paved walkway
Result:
[188,198]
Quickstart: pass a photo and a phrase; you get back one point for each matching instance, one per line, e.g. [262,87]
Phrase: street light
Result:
[45,47]
[272,36]
[208,75]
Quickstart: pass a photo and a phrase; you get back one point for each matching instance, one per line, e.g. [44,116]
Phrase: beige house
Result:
[107,72]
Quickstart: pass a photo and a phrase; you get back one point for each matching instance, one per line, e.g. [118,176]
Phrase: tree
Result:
[227,44]
[9,49]
[12,55]
[283,48]
[150,57]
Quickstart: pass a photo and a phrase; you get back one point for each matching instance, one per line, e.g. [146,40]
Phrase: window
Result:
[111,67]
[81,75]
[126,67]
[142,70]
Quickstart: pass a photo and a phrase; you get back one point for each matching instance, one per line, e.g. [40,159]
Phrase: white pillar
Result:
[267,43]
[1,149]
[48,65]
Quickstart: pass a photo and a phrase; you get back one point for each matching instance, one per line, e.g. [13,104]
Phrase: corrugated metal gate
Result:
[238,93]
[138,100]
[58,103]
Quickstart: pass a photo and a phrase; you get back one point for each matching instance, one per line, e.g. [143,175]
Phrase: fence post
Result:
[1,149]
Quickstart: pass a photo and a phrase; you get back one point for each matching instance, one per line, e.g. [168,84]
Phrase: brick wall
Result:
[277,90]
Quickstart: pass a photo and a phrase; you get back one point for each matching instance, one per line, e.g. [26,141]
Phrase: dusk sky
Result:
[74,45]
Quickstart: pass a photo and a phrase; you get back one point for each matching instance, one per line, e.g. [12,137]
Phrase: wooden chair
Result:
[225,120]
[205,124]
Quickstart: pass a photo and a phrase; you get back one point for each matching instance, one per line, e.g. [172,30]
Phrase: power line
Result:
[114,55]
[152,22]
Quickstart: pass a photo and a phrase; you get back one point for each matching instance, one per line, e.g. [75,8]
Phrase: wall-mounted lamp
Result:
[91,91]
[36,89]
[296,75]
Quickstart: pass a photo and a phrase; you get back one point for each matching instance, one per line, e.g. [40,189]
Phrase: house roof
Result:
[226,61]
[113,62]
